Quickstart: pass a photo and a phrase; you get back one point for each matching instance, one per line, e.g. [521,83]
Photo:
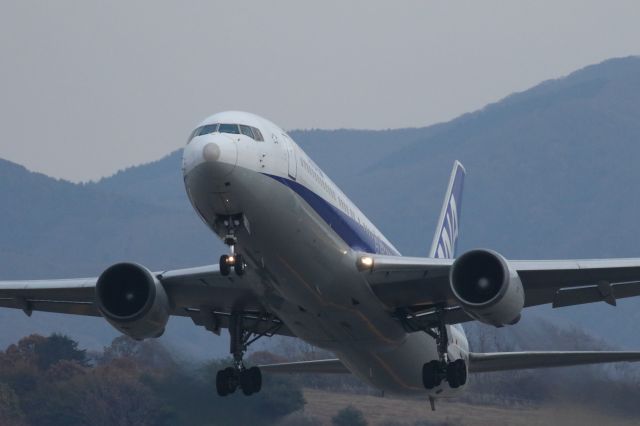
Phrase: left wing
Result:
[319,366]
[479,362]
[503,361]
[201,293]
[421,284]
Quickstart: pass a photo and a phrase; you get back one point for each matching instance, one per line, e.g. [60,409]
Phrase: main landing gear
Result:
[232,378]
[434,372]
[249,380]
[233,260]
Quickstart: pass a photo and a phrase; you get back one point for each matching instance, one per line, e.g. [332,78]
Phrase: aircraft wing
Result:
[479,362]
[503,361]
[419,284]
[319,366]
[201,293]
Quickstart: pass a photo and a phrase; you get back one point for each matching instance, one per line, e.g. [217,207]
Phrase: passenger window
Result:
[246,130]
[257,135]
[229,128]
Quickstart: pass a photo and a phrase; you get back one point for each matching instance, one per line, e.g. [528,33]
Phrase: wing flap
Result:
[504,361]
[323,366]
[603,292]
[55,306]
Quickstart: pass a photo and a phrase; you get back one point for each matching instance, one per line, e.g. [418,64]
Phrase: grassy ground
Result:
[323,405]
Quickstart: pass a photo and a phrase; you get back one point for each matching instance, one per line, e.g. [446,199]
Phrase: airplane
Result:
[304,261]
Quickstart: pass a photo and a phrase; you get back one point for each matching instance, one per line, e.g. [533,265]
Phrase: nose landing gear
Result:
[232,261]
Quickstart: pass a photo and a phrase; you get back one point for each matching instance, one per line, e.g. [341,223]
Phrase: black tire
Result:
[231,379]
[224,265]
[222,383]
[239,265]
[256,378]
[457,373]
[452,376]
[245,383]
[251,381]
[462,371]
[431,374]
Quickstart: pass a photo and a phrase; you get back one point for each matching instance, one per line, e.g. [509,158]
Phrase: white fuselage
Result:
[301,236]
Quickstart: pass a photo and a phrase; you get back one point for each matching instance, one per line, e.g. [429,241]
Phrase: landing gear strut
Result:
[249,380]
[435,371]
[232,261]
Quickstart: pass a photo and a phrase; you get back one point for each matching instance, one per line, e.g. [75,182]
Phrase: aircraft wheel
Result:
[239,266]
[462,367]
[225,268]
[221,383]
[232,379]
[457,373]
[226,381]
[452,376]
[251,381]
[431,374]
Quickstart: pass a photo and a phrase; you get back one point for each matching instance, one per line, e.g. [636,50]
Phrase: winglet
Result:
[446,236]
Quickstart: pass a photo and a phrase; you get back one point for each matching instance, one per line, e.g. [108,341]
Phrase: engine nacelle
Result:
[487,288]
[133,300]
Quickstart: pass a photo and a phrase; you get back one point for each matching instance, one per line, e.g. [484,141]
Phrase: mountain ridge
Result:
[550,169]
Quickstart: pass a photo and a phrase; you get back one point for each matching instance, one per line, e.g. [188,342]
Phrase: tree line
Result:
[51,381]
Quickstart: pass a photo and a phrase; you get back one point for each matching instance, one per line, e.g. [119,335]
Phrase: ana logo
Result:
[449,232]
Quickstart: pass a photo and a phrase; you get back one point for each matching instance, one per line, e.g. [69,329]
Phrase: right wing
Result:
[418,285]
[201,293]
[414,287]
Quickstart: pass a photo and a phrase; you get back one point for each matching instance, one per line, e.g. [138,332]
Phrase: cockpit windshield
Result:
[229,128]
[203,130]
[234,129]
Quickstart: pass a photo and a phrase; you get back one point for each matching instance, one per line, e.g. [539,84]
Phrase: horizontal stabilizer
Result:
[502,361]
[319,366]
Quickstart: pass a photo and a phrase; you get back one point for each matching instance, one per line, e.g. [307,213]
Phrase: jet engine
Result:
[133,300]
[487,288]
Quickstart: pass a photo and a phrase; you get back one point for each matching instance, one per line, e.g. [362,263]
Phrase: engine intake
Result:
[133,300]
[487,288]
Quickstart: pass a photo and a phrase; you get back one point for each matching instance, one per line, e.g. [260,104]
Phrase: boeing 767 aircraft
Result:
[303,261]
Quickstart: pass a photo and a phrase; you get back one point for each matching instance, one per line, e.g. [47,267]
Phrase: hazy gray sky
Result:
[89,87]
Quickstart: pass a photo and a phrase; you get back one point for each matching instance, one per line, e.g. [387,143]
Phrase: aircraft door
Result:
[291,153]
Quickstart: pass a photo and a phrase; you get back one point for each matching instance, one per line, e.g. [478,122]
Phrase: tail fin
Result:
[446,236]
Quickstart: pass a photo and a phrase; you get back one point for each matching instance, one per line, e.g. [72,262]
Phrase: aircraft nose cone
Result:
[216,155]
[211,152]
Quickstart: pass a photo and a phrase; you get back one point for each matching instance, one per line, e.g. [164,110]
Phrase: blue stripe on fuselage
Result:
[351,232]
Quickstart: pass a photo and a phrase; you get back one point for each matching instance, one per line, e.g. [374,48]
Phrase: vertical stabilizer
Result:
[446,236]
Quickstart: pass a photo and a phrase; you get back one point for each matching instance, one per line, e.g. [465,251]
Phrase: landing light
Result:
[231,260]
[365,262]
